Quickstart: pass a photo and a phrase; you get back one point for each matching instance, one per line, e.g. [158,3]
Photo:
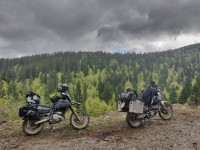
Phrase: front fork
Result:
[74,112]
[162,104]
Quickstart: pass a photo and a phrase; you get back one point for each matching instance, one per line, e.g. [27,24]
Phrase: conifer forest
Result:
[97,78]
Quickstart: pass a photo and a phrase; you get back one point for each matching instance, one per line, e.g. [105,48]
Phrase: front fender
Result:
[163,102]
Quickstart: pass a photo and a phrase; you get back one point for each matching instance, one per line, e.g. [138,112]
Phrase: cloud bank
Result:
[32,27]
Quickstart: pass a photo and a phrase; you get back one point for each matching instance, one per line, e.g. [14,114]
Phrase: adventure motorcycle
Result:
[35,115]
[139,110]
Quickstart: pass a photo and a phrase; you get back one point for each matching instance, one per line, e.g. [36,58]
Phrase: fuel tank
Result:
[62,104]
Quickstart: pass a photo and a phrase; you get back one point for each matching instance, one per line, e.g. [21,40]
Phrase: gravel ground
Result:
[110,131]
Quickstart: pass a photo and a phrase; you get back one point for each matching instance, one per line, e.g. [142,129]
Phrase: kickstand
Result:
[51,127]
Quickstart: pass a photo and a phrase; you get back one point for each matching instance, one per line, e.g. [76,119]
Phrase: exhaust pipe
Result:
[141,116]
[41,121]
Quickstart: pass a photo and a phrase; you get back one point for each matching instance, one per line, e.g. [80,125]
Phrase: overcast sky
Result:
[44,26]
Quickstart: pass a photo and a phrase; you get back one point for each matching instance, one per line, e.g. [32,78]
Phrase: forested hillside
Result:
[96,78]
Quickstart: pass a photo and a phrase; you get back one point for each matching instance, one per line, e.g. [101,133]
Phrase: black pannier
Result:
[23,111]
[28,111]
[55,99]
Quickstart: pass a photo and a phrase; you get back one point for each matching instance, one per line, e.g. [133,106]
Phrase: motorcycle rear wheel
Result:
[166,111]
[83,122]
[30,128]
[132,121]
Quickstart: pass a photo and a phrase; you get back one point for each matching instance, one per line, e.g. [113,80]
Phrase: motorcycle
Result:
[140,110]
[34,114]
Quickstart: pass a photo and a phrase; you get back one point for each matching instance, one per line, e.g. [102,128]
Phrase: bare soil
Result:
[110,131]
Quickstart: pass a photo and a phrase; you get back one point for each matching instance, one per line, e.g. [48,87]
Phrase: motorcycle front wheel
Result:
[166,111]
[132,120]
[30,128]
[83,120]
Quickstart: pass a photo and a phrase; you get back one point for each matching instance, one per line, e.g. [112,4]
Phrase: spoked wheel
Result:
[166,111]
[82,121]
[132,120]
[30,128]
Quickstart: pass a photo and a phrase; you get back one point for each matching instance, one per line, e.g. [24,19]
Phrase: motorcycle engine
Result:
[152,113]
[58,116]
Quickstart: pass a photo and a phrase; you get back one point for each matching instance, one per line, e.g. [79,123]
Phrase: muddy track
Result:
[110,131]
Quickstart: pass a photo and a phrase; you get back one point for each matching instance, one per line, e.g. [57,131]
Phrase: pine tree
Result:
[78,95]
[52,82]
[173,96]
[196,92]
[186,91]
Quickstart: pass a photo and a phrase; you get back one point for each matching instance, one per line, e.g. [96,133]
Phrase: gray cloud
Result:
[108,34]
[160,17]
[30,27]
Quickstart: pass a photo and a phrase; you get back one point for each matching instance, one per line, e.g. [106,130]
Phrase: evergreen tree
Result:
[173,96]
[84,92]
[78,95]
[196,92]
[186,91]
[52,82]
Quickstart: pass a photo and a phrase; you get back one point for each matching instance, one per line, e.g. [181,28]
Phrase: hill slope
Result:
[96,78]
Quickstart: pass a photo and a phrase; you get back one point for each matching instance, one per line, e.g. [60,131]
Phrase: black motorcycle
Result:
[35,115]
[139,110]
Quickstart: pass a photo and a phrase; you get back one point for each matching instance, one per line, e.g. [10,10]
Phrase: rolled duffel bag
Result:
[129,95]
[122,97]
[32,98]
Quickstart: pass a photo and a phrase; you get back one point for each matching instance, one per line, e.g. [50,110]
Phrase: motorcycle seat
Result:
[41,109]
[47,106]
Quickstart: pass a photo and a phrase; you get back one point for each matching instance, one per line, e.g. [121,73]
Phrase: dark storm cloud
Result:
[108,34]
[35,26]
[68,19]
[171,17]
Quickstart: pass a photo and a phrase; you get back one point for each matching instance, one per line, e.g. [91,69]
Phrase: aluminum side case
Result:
[136,106]
[120,106]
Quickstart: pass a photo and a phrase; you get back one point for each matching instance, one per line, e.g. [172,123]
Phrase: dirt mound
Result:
[110,131]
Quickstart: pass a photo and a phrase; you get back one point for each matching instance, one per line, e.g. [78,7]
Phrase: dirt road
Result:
[110,131]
